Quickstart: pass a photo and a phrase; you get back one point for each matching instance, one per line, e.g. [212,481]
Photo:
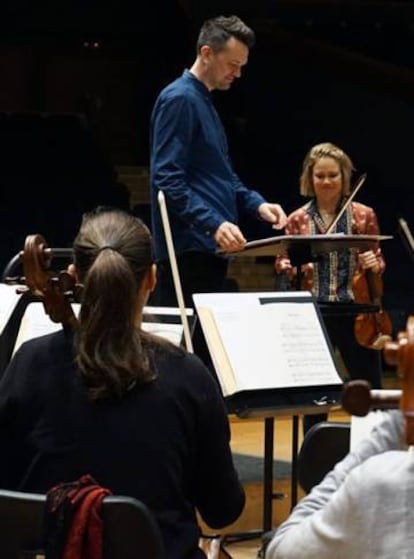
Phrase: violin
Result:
[372,330]
[56,290]
[358,399]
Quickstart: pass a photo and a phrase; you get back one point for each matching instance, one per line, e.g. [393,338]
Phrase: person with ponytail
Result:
[140,415]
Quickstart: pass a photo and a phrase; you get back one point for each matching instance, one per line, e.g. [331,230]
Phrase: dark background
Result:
[78,80]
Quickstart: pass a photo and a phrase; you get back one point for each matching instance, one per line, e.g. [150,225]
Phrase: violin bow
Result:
[358,185]
[408,237]
[174,269]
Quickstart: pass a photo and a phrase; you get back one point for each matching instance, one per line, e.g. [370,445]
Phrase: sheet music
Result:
[8,301]
[35,323]
[172,332]
[173,311]
[274,345]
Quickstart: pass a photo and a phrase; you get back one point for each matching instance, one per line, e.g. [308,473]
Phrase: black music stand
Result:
[267,397]
[306,248]
[301,249]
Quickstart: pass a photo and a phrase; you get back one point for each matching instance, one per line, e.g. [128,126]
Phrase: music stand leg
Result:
[268,474]
[268,495]
[294,473]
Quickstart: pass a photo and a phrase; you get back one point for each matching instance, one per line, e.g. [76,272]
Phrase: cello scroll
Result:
[358,399]
[56,290]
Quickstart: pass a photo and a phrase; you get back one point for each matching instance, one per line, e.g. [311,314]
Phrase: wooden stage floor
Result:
[248,438]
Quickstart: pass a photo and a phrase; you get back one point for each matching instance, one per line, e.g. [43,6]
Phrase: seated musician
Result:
[143,417]
[325,179]
[361,509]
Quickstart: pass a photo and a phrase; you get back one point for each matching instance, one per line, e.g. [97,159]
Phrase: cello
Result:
[56,290]
[358,398]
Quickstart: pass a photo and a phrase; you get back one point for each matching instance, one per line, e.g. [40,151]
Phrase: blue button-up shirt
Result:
[190,163]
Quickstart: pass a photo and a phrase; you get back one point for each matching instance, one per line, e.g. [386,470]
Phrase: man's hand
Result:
[229,237]
[273,213]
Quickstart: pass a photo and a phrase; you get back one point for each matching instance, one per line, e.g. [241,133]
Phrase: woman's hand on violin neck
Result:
[283,265]
[368,261]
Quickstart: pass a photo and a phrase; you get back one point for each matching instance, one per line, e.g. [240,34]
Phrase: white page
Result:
[167,311]
[273,345]
[8,301]
[276,345]
[172,332]
[35,322]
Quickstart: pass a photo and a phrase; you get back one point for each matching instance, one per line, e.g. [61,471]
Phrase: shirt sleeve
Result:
[367,223]
[373,229]
[172,131]
[323,520]
[248,200]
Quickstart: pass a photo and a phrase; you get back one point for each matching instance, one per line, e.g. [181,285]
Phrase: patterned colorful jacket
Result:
[331,278]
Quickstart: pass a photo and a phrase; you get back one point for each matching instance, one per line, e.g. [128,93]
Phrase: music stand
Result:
[306,248]
[302,249]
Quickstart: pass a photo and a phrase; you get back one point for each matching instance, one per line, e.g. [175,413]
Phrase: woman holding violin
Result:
[326,180]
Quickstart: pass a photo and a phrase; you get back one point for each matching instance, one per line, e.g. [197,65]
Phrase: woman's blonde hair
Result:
[318,151]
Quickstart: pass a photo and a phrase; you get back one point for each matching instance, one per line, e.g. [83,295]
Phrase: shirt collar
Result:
[187,75]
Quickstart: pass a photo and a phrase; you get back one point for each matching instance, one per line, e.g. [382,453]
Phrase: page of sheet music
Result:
[35,322]
[276,345]
[273,345]
[8,301]
[172,332]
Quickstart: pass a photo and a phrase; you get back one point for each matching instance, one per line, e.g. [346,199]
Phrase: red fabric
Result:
[76,508]
[85,536]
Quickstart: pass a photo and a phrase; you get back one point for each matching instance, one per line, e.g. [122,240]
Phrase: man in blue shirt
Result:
[190,163]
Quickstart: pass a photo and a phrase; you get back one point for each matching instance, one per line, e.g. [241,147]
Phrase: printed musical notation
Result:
[256,346]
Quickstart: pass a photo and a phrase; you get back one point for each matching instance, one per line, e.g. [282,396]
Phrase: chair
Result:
[325,444]
[129,529]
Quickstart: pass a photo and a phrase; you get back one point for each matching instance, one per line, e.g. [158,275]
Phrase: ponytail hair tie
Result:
[104,247]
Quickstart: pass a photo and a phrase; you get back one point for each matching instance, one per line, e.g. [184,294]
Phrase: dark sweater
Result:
[166,444]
